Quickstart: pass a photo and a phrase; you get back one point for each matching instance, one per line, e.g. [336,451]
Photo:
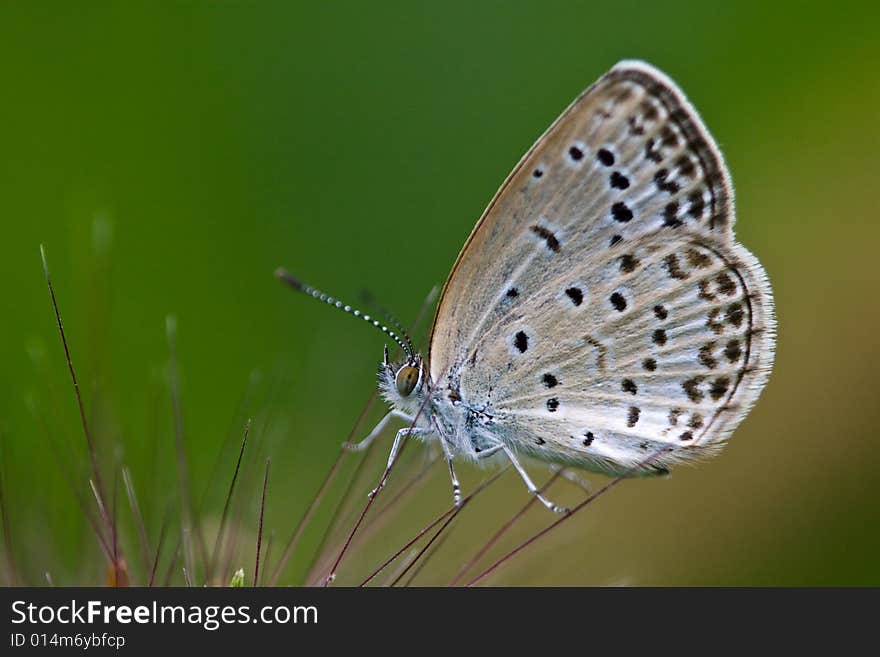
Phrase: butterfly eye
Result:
[407,377]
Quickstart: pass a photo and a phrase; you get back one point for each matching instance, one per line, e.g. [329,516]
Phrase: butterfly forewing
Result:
[601,307]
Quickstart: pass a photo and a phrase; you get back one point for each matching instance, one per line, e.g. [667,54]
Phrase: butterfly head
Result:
[403,383]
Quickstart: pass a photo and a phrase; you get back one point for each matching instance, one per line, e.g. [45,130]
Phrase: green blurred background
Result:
[171,155]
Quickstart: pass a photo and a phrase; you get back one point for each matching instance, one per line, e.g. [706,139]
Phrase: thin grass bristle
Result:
[406,546]
[223,518]
[268,558]
[118,573]
[422,564]
[260,528]
[96,473]
[306,519]
[75,489]
[104,541]
[189,527]
[535,537]
[138,518]
[159,545]
[387,513]
[501,531]
[452,511]
[403,443]
[457,510]
[342,509]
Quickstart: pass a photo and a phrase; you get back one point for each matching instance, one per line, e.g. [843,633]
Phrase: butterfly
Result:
[601,310]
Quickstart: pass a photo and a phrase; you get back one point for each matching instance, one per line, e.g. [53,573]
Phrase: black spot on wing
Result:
[618,181]
[668,136]
[649,110]
[705,356]
[725,284]
[652,153]
[705,291]
[521,341]
[735,314]
[620,212]
[673,267]
[686,167]
[719,387]
[547,235]
[636,129]
[733,351]
[697,259]
[633,416]
[712,321]
[628,263]
[670,215]
[663,184]
[691,388]
[575,294]
[697,205]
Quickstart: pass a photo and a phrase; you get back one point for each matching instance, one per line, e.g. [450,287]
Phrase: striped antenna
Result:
[394,322]
[286,277]
[389,317]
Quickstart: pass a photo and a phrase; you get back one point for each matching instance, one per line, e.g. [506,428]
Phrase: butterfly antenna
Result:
[368,300]
[402,330]
[286,277]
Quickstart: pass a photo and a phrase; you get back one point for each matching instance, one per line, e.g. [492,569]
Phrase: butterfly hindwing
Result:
[663,346]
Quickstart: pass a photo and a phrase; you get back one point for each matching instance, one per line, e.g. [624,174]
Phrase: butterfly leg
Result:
[456,487]
[529,483]
[366,442]
[491,451]
[395,448]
